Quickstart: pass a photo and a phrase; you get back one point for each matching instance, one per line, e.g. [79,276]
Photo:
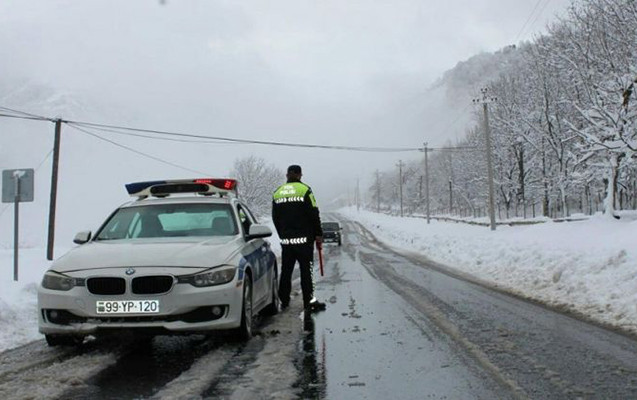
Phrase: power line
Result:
[24,117]
[532,17]
[183,137]
[527,20]
[151,137]
[455,149]
[137,151]
[24,113]
[546,3]
[249,141]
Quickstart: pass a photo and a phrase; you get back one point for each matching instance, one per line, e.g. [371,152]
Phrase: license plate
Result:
[127,307]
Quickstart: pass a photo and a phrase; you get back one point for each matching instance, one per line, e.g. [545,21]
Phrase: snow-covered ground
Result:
[588,267]
[18,300]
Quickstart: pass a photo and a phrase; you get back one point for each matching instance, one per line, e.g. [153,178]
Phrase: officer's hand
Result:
[319,242]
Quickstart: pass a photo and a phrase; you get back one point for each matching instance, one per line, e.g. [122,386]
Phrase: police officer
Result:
[298,223]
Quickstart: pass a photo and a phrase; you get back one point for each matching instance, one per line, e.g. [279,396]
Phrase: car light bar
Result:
[205,186]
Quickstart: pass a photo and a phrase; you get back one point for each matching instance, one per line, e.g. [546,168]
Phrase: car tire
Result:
[63,340]
[244,332]
[275,305]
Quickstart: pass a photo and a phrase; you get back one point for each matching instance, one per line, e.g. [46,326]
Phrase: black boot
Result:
[315,306]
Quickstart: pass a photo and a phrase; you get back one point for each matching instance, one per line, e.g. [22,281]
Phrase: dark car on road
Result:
[332,232]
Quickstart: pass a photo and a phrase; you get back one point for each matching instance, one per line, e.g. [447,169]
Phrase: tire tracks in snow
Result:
[48,380]
[263,368]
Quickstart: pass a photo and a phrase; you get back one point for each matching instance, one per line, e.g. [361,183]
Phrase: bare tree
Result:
[257,182]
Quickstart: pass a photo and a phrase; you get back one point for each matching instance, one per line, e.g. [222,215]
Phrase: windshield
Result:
[170,220]
[330,226]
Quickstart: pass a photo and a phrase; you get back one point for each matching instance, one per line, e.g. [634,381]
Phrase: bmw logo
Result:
[130,271]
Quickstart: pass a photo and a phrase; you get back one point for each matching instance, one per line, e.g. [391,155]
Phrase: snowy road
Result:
[400,328]
[395,327]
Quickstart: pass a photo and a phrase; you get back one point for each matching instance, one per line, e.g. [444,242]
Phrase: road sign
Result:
[20,180]
[17,187]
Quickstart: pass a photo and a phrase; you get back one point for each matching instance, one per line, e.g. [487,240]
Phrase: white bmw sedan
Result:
[187,256]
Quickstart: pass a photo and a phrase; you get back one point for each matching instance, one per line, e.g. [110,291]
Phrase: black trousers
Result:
[304,254]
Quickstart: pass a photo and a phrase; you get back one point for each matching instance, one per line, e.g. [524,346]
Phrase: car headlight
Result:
[55,281]
[212,277]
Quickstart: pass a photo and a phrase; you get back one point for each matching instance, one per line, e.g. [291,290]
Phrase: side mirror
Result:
[259,231]
[82,237]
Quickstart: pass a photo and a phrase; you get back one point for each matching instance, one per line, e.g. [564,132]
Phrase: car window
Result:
[170,220]
[330,226]
[245,217]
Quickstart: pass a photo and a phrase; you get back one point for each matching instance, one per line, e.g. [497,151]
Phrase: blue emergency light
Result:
[204,186]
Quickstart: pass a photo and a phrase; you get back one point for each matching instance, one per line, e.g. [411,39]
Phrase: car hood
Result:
[165,252]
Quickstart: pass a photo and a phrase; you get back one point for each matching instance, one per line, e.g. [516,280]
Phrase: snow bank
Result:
[18,300]
[587,267]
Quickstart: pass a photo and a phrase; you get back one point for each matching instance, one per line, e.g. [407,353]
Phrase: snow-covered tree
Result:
[257,182]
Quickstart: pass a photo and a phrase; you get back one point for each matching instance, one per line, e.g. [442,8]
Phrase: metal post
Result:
[16,222]
[450,198]
[427,182]
[377,192]
[358,205]
[400,182]
[450,152]
[54,189]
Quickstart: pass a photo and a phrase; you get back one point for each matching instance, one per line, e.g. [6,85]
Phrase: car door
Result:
[257,251]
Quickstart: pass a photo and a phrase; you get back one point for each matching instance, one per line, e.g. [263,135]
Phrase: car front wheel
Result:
[275,306]
[244,332]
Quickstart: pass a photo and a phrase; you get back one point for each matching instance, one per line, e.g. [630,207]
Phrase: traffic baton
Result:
[319,247]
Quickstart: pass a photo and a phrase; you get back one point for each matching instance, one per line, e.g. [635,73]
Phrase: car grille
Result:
[200,314]
[152,284]
[106,286]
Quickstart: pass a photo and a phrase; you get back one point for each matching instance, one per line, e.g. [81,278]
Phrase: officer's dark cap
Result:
[295,169]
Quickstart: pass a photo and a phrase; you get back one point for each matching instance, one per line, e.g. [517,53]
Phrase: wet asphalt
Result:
[398,327]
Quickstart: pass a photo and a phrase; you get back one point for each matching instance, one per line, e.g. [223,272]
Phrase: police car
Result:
[187,256]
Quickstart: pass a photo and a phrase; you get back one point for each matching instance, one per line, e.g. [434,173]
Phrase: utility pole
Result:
[450,182]
[521,168]
[377,192]
[54,188]
[450,198]
[358,194]
[485,101]
[400,183]
[427,181]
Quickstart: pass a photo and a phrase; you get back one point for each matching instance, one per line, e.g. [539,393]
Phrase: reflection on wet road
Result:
[398,328]
[377,346]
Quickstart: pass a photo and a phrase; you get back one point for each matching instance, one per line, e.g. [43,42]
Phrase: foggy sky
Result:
[328,72]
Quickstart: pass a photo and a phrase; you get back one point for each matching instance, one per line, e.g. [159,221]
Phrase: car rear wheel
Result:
[244,332]
[64,340]
[275,306]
